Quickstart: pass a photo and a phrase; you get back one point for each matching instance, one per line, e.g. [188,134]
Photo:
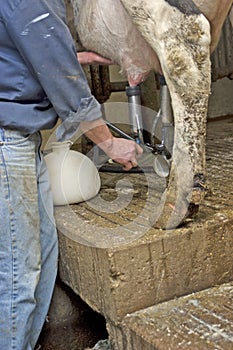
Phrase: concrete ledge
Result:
[120,279]
[160,267]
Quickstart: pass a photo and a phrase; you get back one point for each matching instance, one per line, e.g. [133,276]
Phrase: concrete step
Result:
[200,321]
[118,263]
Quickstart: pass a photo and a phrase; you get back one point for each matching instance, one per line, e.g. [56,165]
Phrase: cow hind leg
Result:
[180,36]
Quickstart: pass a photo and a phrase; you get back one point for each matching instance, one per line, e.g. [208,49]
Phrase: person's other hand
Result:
[88,57]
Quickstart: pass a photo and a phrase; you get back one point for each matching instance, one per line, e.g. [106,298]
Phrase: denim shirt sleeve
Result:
[45,43]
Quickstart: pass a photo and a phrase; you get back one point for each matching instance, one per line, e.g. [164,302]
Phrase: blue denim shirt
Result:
[40,77]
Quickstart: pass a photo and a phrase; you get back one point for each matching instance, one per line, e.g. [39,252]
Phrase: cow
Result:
[174,38]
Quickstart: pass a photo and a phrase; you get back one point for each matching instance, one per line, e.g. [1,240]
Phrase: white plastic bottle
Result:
[73,176]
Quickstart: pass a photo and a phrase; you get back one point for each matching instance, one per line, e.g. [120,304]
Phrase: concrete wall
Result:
[221,99]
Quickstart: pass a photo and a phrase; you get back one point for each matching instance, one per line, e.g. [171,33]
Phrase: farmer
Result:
[41,80]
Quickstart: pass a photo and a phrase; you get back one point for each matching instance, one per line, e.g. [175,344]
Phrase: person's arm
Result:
[45,43]
[120,150]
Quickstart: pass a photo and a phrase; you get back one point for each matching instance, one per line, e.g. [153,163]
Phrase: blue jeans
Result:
[28,240]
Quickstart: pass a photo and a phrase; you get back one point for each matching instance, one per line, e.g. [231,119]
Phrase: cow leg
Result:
[180,35]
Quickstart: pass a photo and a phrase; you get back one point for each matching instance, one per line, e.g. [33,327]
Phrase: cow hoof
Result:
[181,206]
[173,217]
[176,213]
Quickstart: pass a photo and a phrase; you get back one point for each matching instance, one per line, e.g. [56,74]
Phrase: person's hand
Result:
[122,151]
[87,57]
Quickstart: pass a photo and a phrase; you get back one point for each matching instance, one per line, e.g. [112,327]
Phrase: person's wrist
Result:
[107,145]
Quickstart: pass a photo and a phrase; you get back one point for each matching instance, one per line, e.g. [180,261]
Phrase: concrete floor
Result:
[71,323]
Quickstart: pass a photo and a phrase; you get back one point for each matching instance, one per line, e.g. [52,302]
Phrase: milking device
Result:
[166,120]
[163,124]
[135,113]
[165,114]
